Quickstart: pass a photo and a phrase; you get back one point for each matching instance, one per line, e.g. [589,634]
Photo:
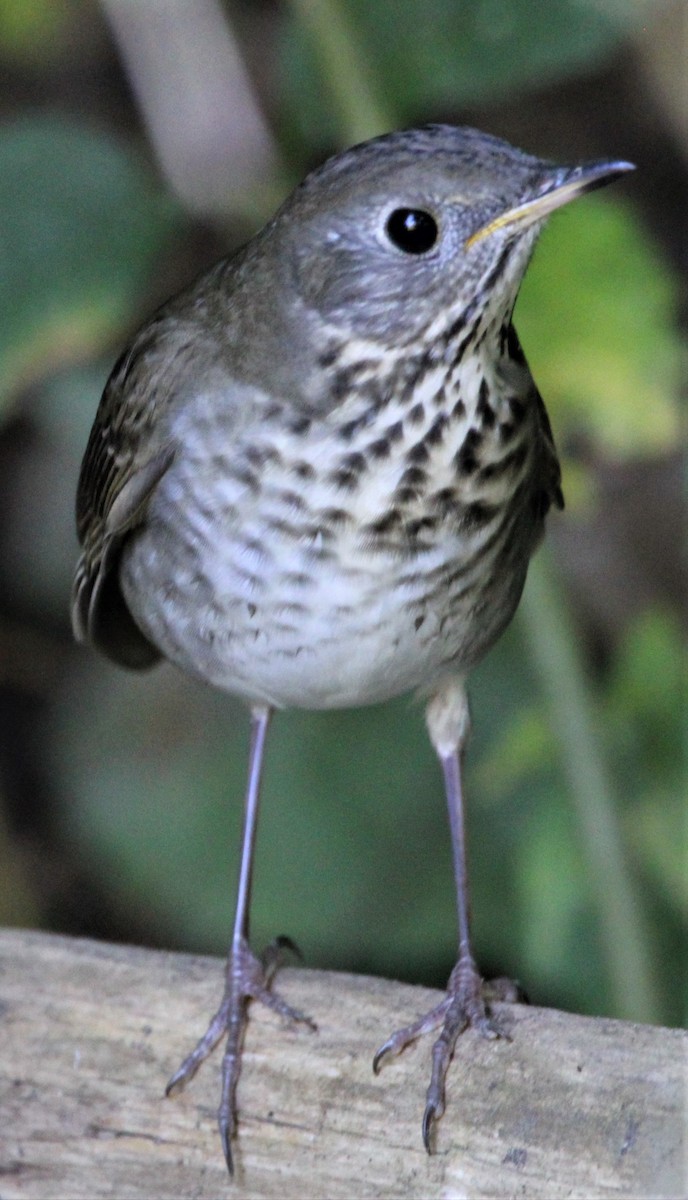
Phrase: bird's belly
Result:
[325,619]
[319,573]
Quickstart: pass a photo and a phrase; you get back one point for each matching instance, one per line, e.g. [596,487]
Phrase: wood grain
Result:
[90,1033]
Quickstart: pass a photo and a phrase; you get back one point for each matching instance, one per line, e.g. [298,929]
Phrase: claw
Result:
[226,1139]
[403,1037]
[463,1006]
[429,1117]
[247,978]
[380,1054]
[200,1052]
[272,956]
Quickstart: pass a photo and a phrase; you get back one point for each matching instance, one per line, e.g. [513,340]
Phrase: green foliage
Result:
[644,719]
[81,225]
[433,56]
[29,29]
[607,356]
[639,712]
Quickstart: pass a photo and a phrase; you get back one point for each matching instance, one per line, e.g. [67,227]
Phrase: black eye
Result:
[412,229]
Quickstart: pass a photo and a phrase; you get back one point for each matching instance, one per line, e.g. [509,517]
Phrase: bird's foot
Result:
[247,978]
[465,1004]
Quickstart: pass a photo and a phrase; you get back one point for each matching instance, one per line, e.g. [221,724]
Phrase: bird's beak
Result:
[562,186]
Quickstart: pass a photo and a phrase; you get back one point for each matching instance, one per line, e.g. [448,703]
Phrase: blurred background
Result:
[138,143]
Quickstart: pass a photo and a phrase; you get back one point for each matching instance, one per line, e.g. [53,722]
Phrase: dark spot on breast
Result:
[517,409]
[416,414]
[381,448]
[498,269]
[510,462]
[257,456]
[477,514]
[485,410]
[462,347]
[246,476]
[445,500]
[405,390]
[291,499]
[252,610]
[436,431]
[413,476]
[425,361]
[465,459]
[395,432]
[405,495]
[283,526]
[303,469]
[455,328]
[418,622]
[349,428]
[364,366]
[341,385]
[344,479]
[390,520]
[256,546]
[418,453]
[294,609]
[349,379]
[459,409]
[328,357]
[413,528]
[334,516]
[299,425]
[514,346]
[353,462]
[410,373]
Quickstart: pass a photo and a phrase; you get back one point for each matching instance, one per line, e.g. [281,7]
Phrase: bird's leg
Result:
[247,977]
[464,1004]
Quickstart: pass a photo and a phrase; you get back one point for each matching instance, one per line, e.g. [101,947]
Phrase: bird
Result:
[316,477]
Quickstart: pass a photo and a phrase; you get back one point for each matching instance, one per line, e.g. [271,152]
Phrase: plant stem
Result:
[359,112]
[554,648]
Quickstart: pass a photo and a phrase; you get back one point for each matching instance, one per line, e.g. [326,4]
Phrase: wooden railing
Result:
[89,1034]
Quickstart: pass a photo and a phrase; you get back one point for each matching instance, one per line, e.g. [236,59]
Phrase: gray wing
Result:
[123,463]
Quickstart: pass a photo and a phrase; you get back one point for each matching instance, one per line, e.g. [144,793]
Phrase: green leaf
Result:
[655,828]
[596,316]
[81,225]
[32,30]
[550,866]
[435,55]
[522,747]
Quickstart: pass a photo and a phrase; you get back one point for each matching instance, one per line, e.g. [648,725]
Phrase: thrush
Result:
[317,475]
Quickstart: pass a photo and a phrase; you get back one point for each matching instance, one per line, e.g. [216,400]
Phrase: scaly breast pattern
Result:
[341,559]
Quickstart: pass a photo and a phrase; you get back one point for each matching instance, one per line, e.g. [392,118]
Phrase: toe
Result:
[429,1118]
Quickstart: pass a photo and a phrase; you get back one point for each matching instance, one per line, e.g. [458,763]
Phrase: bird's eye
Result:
[412,230]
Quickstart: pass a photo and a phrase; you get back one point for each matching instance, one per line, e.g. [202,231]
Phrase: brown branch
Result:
[89,1034]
